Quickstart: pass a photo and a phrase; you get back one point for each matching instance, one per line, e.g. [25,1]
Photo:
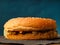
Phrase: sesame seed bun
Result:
[30,23]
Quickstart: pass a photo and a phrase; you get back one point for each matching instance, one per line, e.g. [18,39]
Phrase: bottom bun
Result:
[47,35]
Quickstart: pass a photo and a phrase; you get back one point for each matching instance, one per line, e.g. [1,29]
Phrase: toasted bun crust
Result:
[30,23]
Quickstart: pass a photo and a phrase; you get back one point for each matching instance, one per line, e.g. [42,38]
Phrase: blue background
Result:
[22,8]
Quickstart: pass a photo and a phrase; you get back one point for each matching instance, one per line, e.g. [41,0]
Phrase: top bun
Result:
[30,23]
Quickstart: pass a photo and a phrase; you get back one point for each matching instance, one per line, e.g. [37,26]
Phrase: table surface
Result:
[31,42]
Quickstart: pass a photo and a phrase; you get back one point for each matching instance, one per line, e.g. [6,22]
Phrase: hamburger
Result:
[30,28]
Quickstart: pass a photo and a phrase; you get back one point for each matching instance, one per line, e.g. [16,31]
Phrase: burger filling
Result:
[27,32]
